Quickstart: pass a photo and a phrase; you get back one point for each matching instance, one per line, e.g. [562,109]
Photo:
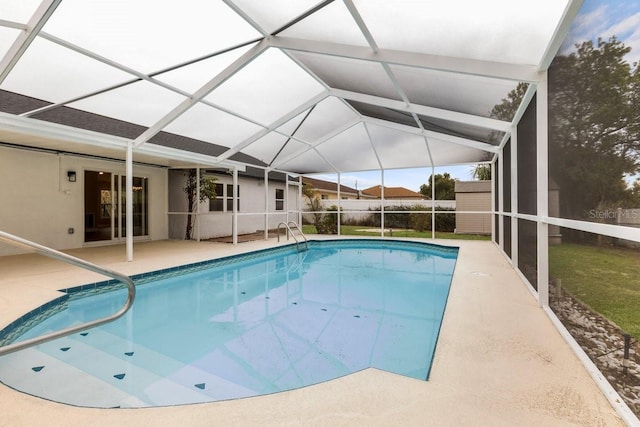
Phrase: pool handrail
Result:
[52,253]
[290,232]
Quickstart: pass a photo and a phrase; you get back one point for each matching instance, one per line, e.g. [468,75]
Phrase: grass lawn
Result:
[356,230]
[606,279]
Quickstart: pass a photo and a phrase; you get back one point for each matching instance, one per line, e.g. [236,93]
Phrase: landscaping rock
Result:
[603,341]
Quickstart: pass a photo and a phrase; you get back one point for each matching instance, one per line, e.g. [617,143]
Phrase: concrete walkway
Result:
[499,360]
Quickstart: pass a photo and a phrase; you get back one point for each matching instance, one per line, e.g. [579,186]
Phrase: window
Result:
[279,199]
[324,197]
[217,204]
[224,199]
[230,198]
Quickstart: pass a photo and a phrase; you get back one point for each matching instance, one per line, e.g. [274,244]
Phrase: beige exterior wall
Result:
[40,204]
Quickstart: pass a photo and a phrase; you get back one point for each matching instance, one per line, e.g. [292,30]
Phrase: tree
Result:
[444,186]
[482,172]
[207,191]
[313,203]
[509,105]
[324,223]
[594,126]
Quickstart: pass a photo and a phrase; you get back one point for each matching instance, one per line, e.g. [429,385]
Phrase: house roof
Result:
[311,86]
[392,192]
[327,186]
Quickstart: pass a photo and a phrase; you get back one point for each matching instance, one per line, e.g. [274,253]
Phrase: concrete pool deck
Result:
[499,359]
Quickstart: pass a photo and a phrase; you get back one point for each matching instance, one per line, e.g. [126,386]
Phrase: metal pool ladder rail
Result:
[290,232]
[52,253]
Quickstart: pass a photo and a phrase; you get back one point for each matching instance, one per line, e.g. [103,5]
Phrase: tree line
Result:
[594,127]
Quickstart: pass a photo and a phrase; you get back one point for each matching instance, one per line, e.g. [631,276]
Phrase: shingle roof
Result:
[327,186]
[14,103]
[392,192]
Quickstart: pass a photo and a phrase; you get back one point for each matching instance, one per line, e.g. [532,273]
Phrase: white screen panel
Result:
[141,103]
[309,162]
[267,88]
[350,74]
[399,149]
[351,150]
[273,14]
[148,37]
[18,10]
[7,37]
[53,73]
[446,153]
[192,77]
[265,148]
[333,23]
[494,30]
[327,116]
[212,125]
[290,127]
[462,129]
[462,93]
[275,147]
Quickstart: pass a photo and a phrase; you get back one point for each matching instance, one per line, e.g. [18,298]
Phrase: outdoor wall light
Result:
[71,175]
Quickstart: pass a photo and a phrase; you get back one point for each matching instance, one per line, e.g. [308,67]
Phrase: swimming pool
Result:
[241,326]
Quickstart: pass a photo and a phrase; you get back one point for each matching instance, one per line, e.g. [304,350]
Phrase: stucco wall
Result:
[37,202]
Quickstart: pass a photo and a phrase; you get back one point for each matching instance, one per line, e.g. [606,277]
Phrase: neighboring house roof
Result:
[319,184]
[392,193]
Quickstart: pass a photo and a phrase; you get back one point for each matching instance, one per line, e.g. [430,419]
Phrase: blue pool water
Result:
[242,326]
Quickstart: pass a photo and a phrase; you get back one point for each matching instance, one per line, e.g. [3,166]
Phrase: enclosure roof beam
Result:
[515,72]
[439,113]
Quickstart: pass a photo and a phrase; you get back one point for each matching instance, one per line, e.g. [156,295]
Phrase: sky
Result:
[606,18]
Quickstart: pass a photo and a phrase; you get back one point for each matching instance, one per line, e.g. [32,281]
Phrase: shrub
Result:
[328,224]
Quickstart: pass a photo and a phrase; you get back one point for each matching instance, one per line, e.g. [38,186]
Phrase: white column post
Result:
[339,197]
[300,201]
[235,206]
[286,197]
[266,204]
[542,150]
[382,203]
[493,200]
[433,202]
[500,179]
[129,201]
[514,196]
[197,212]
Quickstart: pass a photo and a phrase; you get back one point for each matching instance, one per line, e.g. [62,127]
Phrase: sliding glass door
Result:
[105,206]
